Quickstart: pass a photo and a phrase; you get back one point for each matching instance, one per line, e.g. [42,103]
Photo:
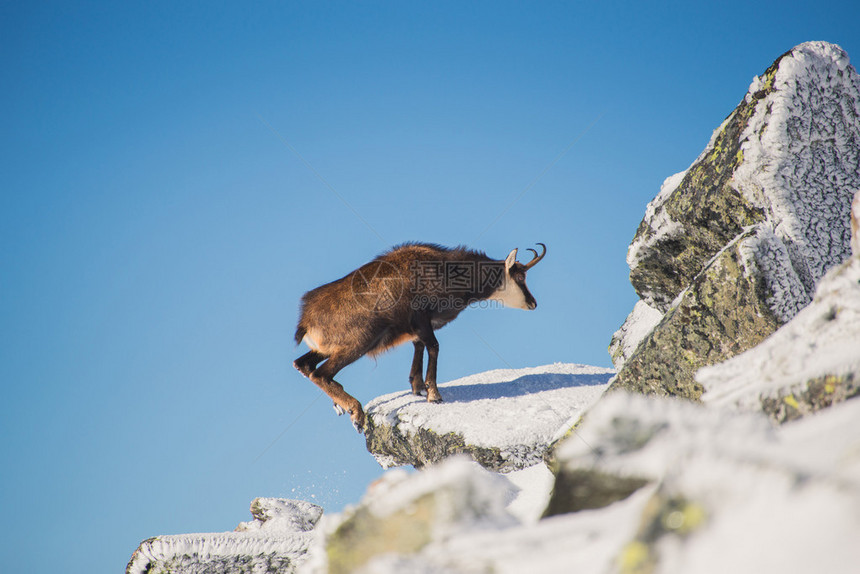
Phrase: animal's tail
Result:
[300,333]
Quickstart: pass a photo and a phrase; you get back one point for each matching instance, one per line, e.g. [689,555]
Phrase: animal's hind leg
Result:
[323,377]
[416,375]
[308,362]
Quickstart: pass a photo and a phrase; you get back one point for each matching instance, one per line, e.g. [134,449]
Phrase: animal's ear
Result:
[512,258]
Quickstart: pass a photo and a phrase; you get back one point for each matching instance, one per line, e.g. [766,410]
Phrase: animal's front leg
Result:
[426,336]
[432,391]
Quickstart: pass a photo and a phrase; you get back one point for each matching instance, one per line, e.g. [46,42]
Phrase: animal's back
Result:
[370,308]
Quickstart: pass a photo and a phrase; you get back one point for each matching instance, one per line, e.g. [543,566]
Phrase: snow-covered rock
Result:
[504,419]
[811,362]
[402,513]
[728,491]
[769,200]
[587,542]
[455,517]
[277,540]
[713,490]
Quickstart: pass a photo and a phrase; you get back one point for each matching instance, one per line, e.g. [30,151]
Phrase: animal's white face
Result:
[513,291]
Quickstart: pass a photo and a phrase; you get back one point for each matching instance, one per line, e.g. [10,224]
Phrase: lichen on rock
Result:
[423,446]
[816,394]
[723,312]
[664,516]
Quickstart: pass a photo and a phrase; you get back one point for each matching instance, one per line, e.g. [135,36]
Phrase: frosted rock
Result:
[783,166]
[282,514]
[789,155]
[766,255]
[276,541]
[801,152]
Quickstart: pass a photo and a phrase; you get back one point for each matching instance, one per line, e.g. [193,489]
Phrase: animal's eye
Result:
[519,277]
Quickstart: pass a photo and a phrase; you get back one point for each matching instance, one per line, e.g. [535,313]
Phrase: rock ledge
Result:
[503,419]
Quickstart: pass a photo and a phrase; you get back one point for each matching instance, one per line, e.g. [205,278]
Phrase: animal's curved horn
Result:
[537,257]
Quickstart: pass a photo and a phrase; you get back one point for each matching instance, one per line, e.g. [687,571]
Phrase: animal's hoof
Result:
[358,420]
[436,399]
[338,409]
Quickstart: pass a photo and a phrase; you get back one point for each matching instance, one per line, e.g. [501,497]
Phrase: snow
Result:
[280,534]
[636,327]
[822,339]
[519,411]
[532,487]
[802,158]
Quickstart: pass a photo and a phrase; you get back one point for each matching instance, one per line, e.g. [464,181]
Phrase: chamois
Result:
[403,295]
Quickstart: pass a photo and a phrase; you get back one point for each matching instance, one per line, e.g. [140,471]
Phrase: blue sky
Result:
[176,175]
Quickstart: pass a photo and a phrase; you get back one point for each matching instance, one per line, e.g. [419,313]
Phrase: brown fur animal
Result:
[403,295]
